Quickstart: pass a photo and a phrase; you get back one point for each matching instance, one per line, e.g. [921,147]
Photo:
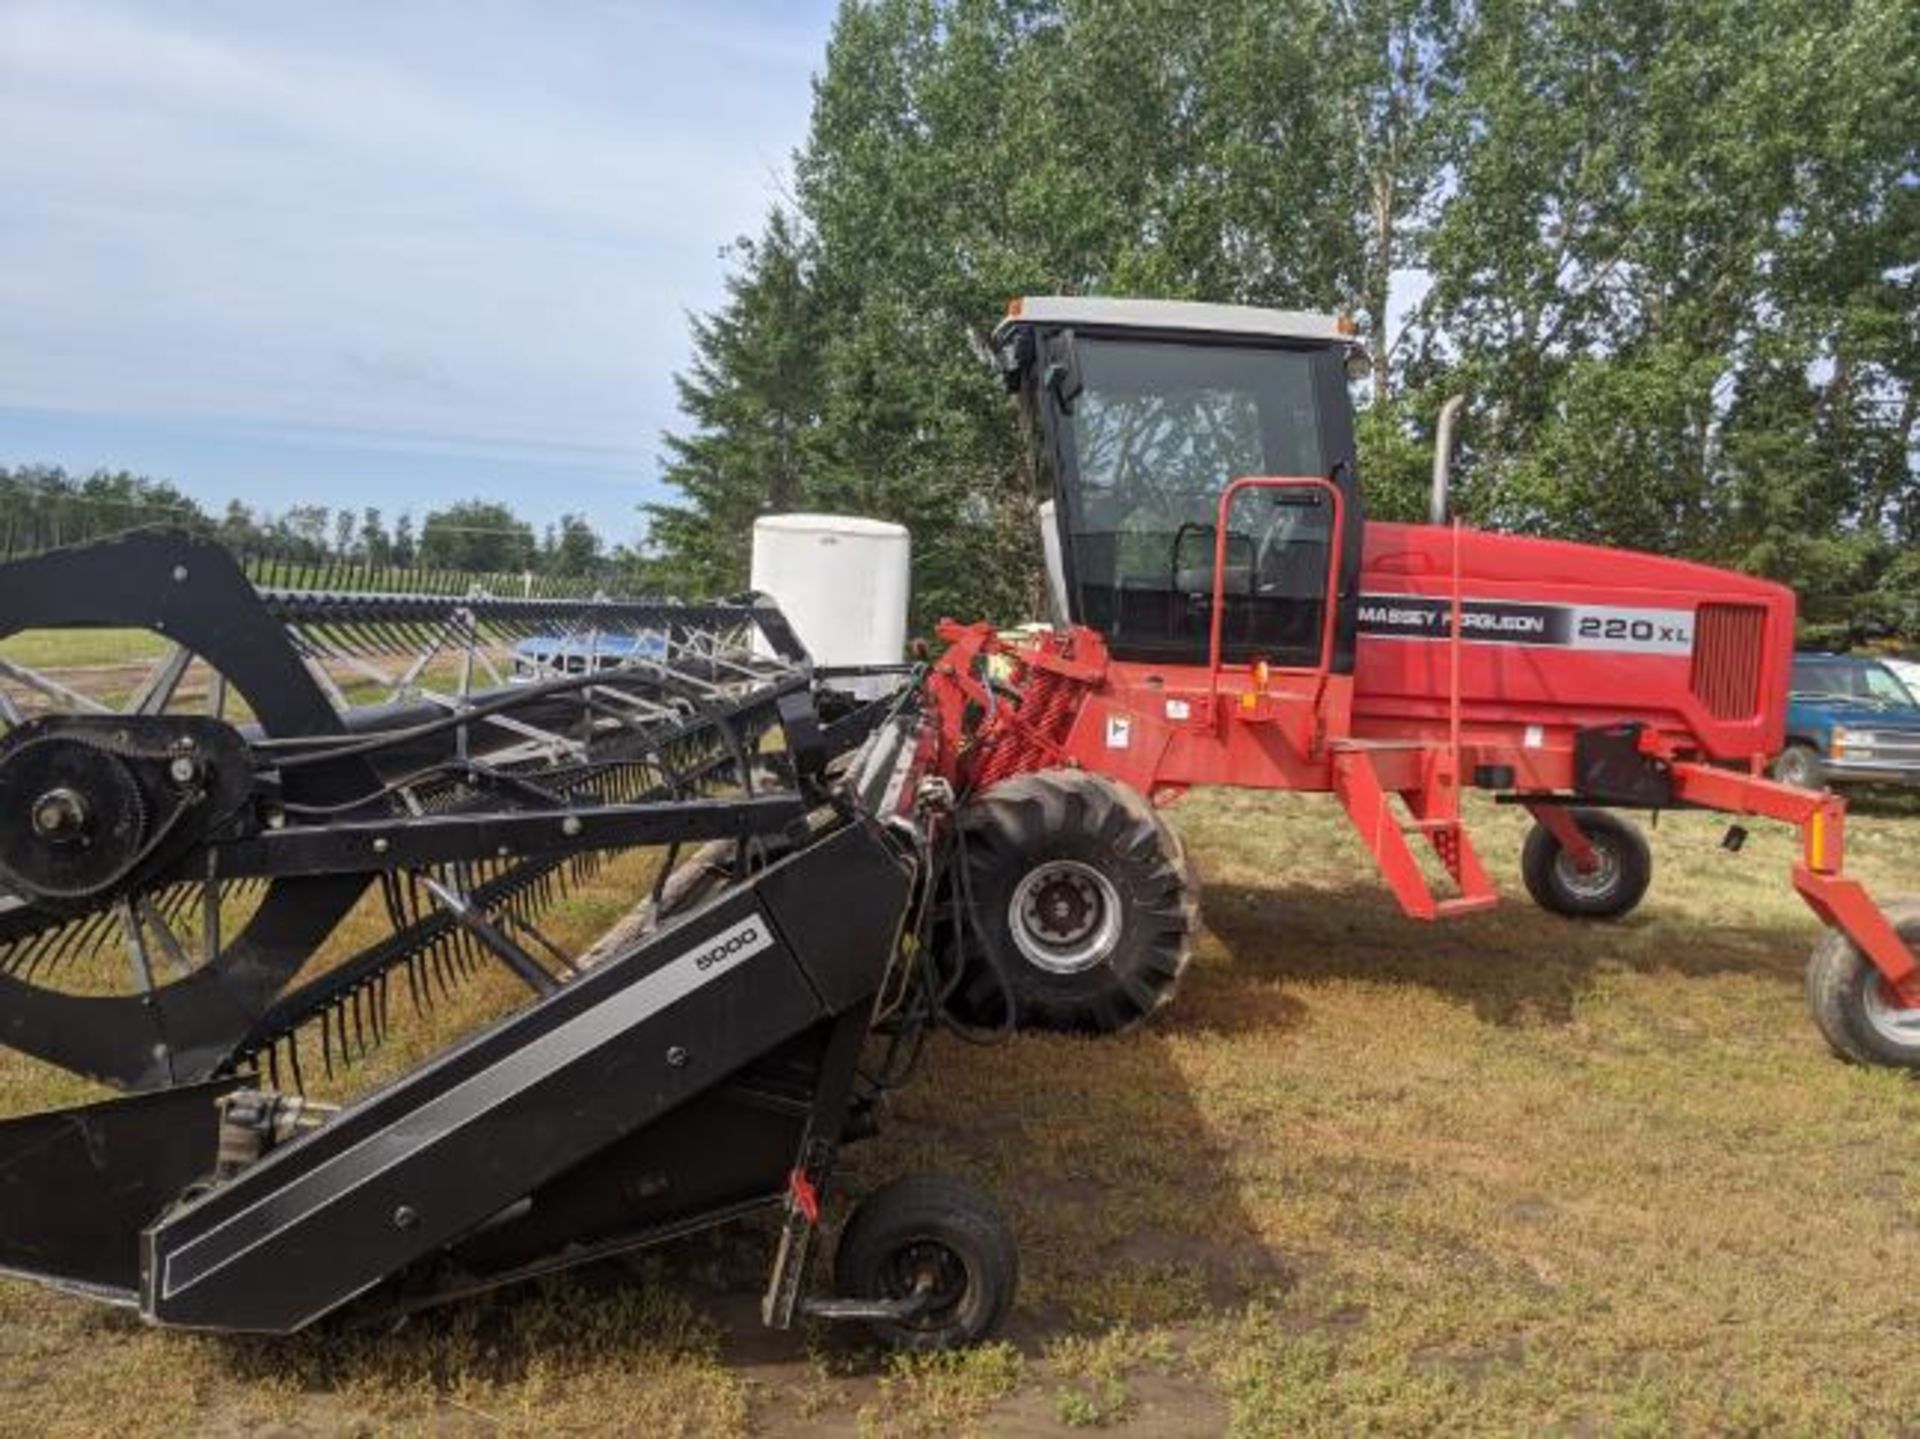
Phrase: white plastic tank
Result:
[841,581]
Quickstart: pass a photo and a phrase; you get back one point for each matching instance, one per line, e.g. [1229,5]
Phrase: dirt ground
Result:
[1511,1174]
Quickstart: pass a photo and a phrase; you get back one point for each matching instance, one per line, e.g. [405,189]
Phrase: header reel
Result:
[234,858]
[177,845]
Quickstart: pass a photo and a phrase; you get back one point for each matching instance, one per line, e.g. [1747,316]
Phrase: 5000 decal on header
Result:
[1516,622]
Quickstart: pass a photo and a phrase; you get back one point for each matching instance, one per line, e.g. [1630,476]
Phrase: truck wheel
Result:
[930,1235]
[1800,767]
[1854,1007]
[1610,890]
[1081,901]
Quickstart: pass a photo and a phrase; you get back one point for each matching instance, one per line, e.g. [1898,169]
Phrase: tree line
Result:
[1669,250]
[42,506]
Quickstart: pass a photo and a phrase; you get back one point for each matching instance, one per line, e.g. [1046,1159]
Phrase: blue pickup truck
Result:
[1850,720]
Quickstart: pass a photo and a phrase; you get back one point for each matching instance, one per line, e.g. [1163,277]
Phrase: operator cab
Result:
[1141,415]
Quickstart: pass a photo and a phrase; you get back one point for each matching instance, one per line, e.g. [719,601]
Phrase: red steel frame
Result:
[1062,701]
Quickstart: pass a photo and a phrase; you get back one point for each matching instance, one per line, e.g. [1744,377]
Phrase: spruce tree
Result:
[752,399]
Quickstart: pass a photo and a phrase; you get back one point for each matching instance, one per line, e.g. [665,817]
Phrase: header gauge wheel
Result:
[1082,901]
[937,1241]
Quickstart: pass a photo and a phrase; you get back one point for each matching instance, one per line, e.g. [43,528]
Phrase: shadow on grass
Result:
[1125,1200]
[1123,1203]
[1514,964]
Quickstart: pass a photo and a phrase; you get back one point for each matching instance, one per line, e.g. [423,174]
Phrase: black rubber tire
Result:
[1841,985]
[910,1217]
[1799,765]
[1089,820]
[1623,843]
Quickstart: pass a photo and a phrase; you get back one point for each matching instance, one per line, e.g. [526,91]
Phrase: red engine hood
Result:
[1562,635]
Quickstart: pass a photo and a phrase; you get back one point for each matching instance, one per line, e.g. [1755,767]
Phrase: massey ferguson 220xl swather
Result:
[1228,616]
[226,882]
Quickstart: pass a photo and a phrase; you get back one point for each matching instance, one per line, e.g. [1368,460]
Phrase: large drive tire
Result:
[930,1231]
[1799,766]
[1608,892]
[1082,902]
[1854,1008]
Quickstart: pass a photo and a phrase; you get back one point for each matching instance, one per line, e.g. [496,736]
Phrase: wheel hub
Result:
[60,815]
[79,817]
[1596,881]
[1891,1019]
[930,1272]
[1065,916]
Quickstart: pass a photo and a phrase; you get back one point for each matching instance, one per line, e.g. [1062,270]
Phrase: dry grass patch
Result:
[1509,1174]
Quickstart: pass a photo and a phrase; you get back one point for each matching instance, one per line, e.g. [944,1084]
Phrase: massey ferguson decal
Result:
[1514,622]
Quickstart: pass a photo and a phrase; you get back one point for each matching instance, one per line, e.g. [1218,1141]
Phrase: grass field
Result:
[62,648]
[1507,1175]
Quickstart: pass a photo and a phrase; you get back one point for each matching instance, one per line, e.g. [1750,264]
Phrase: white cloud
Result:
[476,221]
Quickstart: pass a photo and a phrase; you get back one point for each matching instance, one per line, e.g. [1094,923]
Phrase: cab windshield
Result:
[1158,429]
[1862,682]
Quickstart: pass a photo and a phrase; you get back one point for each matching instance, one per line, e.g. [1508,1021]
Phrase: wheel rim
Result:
[1885,1014]
[930,1268]
[1795,769]
[1065,916]
[1591,884]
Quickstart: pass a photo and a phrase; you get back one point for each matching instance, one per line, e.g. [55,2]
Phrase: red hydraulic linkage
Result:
[989,731]
[1841,902]
[1572,839]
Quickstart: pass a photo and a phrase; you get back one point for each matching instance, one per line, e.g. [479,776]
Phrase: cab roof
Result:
[1095,312]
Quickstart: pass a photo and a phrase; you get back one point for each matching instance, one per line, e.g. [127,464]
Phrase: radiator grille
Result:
[1728,642]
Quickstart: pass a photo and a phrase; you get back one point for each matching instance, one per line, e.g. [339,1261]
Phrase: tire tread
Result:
[1024,816]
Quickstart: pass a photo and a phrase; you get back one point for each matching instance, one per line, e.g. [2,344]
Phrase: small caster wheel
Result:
[1612,888]
[938,1241]
[1853,1006]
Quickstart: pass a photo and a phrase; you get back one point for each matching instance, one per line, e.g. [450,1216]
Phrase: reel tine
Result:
[390,897]
[20,951]
[70,940]
[463,951]
[438,955]
[413,984]
[49,946]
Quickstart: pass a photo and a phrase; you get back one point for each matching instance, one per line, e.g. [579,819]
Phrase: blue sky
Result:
[378,254]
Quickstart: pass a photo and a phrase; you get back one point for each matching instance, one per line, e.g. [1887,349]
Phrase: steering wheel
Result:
[1283,508]
[1201,527]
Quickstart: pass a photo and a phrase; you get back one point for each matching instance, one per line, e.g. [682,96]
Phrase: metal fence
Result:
[22,535]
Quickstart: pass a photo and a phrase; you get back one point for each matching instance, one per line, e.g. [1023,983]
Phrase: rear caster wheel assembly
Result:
[1610,886]
[1856,1011]
[936,1251]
